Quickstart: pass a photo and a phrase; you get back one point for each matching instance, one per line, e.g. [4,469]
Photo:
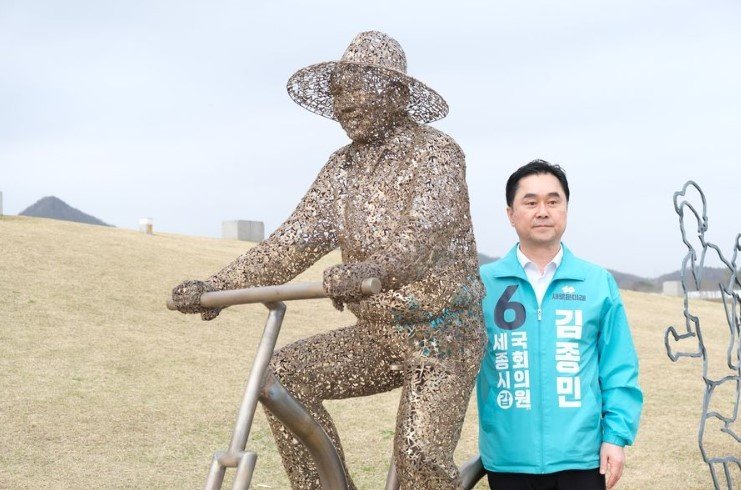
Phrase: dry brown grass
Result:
[102,387]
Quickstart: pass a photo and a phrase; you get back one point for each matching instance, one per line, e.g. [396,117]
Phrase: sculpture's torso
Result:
[388,194]
[374,190]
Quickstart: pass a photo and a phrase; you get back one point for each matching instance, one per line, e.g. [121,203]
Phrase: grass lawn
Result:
[102,387]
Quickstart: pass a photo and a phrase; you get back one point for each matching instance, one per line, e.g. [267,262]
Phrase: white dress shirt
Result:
[539,281]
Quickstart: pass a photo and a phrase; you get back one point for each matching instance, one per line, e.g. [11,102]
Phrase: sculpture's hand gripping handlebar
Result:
[272,294]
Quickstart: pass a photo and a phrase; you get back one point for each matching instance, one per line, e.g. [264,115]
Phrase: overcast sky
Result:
[178,110]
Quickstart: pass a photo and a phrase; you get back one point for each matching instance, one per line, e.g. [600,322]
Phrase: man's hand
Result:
[187,299]
[342,282]
[612,458]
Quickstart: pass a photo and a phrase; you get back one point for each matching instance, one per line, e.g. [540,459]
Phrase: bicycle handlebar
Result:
[272,294]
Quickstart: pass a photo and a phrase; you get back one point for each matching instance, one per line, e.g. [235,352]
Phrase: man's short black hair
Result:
[535,167]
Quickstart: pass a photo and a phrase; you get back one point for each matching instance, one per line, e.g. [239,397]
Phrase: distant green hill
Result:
[485,259]
[711,277]
[54,208]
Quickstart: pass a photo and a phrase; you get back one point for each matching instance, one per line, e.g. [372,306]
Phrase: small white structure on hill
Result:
[146,225]
[672,288]
[248,231]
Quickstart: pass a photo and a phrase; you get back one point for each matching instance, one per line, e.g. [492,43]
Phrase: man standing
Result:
[558,389]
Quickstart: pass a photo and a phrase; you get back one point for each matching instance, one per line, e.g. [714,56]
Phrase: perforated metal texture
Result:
[690,342]
[395,202]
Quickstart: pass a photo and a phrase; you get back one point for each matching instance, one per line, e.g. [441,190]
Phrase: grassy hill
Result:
[102,387]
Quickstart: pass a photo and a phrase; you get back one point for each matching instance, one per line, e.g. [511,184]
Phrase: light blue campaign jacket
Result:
[559,379]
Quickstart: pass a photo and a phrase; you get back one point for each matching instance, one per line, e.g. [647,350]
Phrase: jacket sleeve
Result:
[622,399]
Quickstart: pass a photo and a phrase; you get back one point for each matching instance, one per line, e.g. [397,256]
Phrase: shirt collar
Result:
[524,261]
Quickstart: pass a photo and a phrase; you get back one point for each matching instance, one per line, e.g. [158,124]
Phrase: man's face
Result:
[365,105]
[538,211]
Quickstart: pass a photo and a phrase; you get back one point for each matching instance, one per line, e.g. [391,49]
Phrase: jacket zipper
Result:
[540,371]
[539,413]
[540,385]
[540,375]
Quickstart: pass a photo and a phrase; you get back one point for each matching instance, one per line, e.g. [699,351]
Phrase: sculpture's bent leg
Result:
[344,363]
[297,419]
[471,472]
[433,404]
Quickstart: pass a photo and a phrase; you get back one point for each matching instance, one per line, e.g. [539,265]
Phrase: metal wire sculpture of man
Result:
[395,202]
[693,266]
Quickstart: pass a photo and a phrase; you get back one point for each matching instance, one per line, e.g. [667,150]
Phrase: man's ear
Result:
[510,212]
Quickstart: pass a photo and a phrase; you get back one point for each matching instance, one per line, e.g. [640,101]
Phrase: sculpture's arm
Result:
[307,235]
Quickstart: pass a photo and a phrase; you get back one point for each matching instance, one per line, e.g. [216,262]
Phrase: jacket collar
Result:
[509,266]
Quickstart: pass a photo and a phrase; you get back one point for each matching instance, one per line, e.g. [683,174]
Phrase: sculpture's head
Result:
[368,90]
[691,207]
[367,106]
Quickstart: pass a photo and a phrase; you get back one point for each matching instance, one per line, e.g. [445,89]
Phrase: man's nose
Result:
[345,104]
[542,210]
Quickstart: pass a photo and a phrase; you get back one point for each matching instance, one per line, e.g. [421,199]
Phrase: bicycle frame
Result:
[262,386]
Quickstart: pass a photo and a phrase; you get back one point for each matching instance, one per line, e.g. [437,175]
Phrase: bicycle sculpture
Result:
[690,343]
[395,202]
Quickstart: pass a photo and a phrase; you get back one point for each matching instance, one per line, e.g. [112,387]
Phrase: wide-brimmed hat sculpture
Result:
[380,56]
